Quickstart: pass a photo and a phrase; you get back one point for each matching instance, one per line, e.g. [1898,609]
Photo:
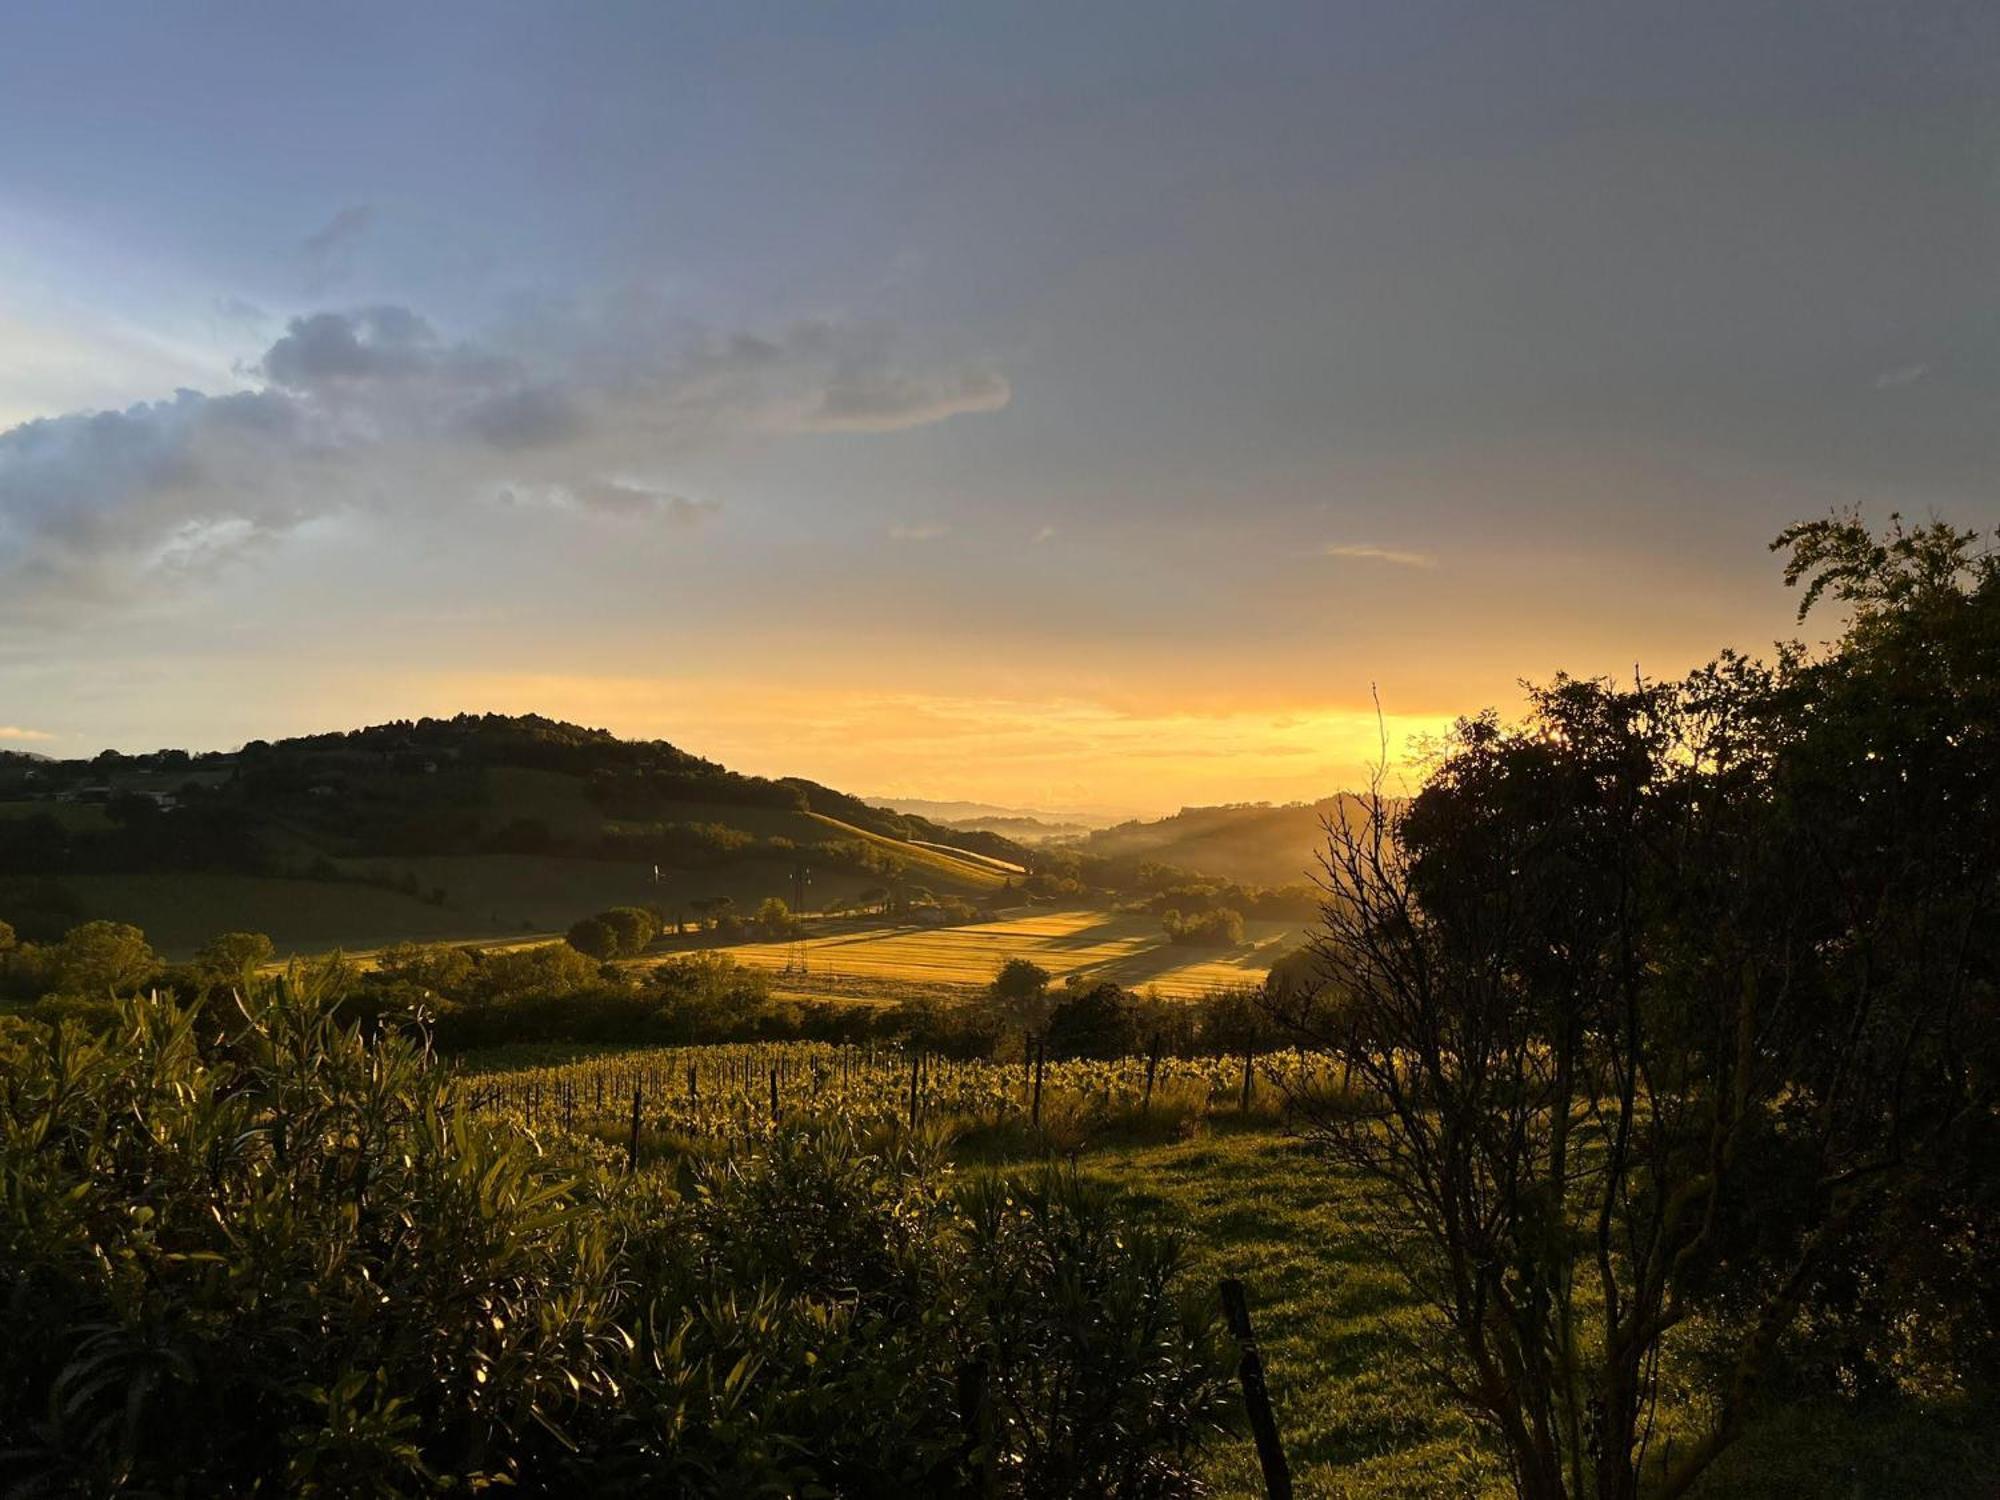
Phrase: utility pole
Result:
[801,884]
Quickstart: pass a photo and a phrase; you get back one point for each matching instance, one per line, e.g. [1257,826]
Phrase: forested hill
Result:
[1253,842]
[441,762]
[496,822]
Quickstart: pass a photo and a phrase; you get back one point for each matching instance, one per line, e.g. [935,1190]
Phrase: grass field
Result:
[78,817]
[181,912]
[1360,1419]
[1127,947]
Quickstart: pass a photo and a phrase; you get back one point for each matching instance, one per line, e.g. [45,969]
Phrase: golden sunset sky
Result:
[1062,407]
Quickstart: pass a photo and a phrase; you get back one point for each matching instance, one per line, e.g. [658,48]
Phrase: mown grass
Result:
[1362,1420]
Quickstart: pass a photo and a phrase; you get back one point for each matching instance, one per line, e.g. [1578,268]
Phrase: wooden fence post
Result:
[632,1150]
[1256,1398]
[1152,1066]
[975,1403]
[1041,1060]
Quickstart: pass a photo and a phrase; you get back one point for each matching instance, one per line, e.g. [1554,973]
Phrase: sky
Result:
[1106,406]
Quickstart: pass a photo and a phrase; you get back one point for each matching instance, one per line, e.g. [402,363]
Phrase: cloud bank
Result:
[374,411]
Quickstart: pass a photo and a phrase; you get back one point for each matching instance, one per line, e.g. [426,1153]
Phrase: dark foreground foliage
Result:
[1673,1020]
[250,1251]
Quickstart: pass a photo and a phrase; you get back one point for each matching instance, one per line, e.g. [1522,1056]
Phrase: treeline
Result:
[466,996]
[409,787]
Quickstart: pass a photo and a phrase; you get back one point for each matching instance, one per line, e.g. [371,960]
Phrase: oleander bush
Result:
[245,1249]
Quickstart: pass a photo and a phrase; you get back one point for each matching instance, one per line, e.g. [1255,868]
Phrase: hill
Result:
[1024,825]
[470,826]
[1257,843]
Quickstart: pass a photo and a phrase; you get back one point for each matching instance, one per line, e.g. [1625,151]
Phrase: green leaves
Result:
[243,1247]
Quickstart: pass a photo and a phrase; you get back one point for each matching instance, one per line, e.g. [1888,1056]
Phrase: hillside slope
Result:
[1254,843]
[473,826]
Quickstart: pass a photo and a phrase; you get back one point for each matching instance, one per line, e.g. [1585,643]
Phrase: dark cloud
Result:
[533,417]
[883,401]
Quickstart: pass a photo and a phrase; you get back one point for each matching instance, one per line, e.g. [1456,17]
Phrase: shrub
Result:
[289,1260]
[634,927]
[593,936]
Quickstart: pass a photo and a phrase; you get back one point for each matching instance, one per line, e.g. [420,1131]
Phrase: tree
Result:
[97,958]
[634,926]
[774,918]
[711,909]
[6,937]
[1019,982]
[231,956]
[593,936]
[1093,1022]
[437,967]
[542,971]
[1657,1001]
[1219,927]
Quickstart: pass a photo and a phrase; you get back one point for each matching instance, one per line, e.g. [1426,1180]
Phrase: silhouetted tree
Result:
[1658,1002]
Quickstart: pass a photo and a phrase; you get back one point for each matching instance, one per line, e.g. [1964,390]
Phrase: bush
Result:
[620,932]
[593,936]
[634,928]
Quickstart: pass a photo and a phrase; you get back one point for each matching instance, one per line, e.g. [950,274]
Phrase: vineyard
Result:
[711,1097]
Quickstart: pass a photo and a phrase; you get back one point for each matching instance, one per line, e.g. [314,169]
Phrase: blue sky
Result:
[1050,404]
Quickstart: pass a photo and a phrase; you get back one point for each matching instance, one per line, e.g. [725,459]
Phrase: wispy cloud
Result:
[919,531]
[17,734]
[1902,375]
[1045,534]
[1395,557]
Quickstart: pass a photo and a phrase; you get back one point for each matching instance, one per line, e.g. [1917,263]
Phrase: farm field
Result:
[1127,947]
[545,893]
